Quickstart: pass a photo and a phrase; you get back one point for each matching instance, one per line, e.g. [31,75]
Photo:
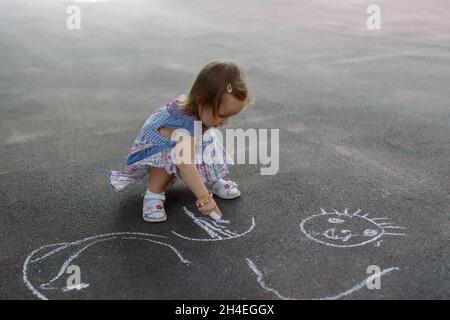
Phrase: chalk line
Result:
[357,287]
[180,256]
[259,278]
[77,287]
[66,244]
[361,285]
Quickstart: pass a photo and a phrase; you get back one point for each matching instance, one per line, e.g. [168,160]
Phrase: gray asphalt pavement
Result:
[364,122]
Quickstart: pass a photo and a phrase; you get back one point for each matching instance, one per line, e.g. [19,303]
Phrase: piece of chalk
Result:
[214,215]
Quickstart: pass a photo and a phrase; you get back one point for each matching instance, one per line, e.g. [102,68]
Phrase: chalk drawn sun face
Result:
[341,229]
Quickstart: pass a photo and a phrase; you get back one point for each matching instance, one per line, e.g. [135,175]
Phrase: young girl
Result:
[218,93]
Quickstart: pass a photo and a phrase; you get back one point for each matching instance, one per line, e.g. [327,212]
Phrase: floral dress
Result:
[152,149]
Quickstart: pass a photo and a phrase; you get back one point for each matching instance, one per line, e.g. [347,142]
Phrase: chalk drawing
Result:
[337,229]
[73,250]
[216,230]
[357,287]
[342,229]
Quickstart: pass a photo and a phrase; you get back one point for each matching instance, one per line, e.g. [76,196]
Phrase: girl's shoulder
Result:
[175,109]
[171,108]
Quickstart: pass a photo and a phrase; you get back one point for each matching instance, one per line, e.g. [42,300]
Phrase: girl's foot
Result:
[153,208]
[225,189]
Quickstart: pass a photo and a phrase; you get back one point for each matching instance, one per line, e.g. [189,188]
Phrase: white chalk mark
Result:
[360,285]
[19,138]
[25,273]
[222,221]
[207,226]
[344,236]
[224,229]
[51,252]
[180,256]
[64,245]
[214,230]
[357,287]
[77,287]
[221,230]
[356,213]
[259,278]
[393,227]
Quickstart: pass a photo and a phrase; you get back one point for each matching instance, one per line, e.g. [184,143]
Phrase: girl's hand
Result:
[210,207]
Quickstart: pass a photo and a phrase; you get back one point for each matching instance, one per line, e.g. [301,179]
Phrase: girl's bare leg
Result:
[158,179]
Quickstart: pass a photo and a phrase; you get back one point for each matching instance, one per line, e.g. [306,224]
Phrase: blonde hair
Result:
[214,79]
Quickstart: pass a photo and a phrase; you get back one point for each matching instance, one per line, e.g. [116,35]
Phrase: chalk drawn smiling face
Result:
[345,230]
[334,229]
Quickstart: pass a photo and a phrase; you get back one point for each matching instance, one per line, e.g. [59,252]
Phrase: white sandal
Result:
[153,207]
[225,189]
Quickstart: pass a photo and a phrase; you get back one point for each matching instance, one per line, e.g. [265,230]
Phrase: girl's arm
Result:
[190,175]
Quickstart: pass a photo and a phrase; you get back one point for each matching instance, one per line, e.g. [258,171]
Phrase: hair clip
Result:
[229,88]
